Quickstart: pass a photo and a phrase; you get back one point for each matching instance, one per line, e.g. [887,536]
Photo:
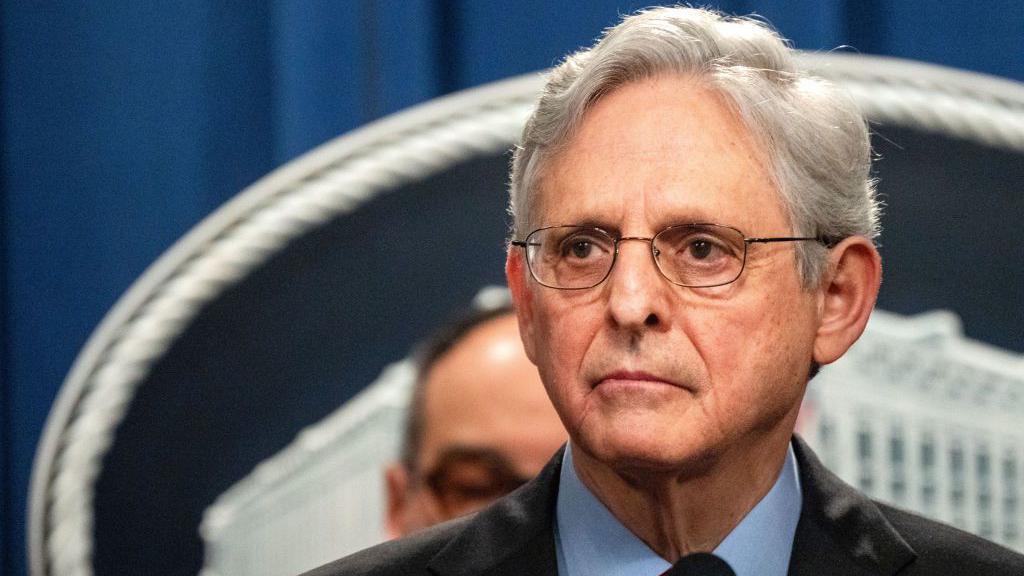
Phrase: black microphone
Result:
[700,564]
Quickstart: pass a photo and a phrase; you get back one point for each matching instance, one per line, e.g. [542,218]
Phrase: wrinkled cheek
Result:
[555,344]
[564,389]
[774,384]
[567,330]
[739,364]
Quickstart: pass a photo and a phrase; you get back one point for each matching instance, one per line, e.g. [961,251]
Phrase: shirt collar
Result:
[590,541]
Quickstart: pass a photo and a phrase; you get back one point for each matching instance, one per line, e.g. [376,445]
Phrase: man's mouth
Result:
[632,376]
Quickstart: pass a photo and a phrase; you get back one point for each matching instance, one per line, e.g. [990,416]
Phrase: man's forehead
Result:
[668,150]
[486,367]
[486,393]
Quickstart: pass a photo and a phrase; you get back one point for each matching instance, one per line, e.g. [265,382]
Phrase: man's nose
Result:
[637,291]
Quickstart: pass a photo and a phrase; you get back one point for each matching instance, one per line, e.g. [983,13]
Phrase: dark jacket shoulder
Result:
[842,532]
[943,549]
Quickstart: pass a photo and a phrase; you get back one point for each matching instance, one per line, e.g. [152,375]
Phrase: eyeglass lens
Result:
[695,255]
[465,480]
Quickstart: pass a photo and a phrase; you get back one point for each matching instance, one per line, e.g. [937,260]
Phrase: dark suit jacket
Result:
[840,533]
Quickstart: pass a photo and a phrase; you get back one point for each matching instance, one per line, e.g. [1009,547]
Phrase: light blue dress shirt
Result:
[590,541]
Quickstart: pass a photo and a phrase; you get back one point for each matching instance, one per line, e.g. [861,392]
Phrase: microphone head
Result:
[700,564]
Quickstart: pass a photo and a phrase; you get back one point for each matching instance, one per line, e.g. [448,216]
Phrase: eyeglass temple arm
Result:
[829,242]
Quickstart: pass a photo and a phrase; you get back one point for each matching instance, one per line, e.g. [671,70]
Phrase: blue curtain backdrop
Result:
[124,124]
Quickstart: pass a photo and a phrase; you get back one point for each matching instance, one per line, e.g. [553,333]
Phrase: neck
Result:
[680,512]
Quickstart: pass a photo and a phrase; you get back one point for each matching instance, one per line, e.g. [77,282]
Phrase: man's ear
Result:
[515,274]
[849,290]
[396,477]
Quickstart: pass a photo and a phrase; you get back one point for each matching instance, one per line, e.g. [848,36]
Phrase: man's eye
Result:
[701,249]
[481,490]
[580,248]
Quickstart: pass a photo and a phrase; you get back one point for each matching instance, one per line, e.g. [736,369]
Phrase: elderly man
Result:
[479,423]
[693,238]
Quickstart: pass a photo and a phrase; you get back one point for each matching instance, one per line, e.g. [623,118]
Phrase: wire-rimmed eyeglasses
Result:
[693,255]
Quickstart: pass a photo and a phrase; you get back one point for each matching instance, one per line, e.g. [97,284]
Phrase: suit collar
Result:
[841,532]
[514,536]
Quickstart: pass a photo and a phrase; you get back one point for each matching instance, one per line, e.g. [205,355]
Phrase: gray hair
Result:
[815,136]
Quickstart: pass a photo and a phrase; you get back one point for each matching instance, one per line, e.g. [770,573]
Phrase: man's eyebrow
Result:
[467,451]
[688,215]
[663,221]
[605,225]
[493,458]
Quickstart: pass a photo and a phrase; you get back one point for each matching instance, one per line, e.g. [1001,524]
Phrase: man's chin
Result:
[635,453]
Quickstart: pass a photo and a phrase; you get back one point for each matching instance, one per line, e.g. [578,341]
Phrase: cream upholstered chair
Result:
[289,300]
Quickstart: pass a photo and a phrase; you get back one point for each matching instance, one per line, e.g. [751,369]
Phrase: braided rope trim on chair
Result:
[333,180]
[967,105]
[336,179]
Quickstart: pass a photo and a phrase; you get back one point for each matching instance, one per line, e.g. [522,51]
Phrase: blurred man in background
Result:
[479,426]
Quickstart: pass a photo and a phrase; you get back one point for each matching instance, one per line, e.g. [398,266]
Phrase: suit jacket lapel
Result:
[514,536]
[841,532]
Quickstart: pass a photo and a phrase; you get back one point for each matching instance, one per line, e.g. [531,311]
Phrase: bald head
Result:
[485,425]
